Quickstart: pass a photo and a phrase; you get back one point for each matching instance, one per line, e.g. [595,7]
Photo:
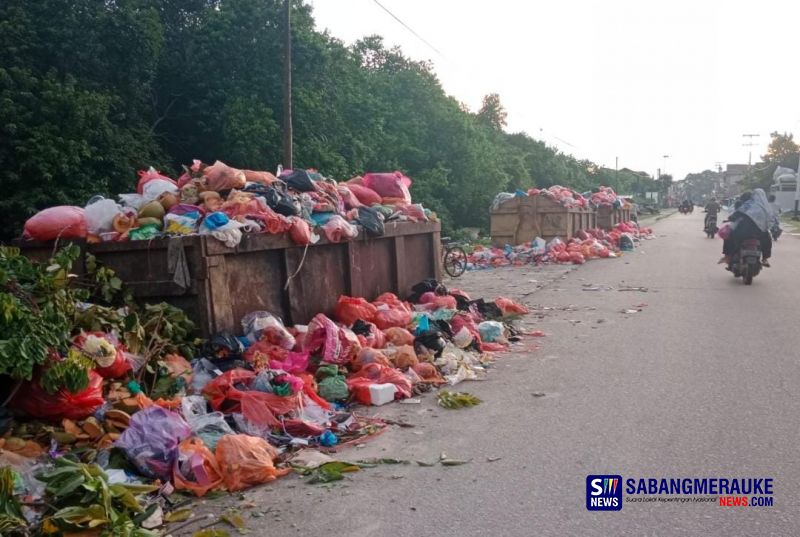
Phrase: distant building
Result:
[731,179]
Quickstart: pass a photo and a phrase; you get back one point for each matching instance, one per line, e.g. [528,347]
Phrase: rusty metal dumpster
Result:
[608,216]
[524,218]
[268,272]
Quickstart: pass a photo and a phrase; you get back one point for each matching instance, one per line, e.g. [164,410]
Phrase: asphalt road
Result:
[702,382]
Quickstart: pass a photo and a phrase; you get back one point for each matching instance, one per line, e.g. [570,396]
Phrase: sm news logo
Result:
[603,492]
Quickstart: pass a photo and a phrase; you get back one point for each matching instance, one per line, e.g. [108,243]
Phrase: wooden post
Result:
[288,157]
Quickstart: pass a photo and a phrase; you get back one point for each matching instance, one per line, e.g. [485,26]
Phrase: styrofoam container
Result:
[380,394]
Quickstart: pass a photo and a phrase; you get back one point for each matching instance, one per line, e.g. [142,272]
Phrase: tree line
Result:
[92,91]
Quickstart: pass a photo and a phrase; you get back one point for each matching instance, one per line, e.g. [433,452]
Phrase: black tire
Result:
[455,261]
[748,279]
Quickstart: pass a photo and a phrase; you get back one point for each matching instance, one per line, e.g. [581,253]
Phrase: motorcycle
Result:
[776,232]
[746,263]
[711,226]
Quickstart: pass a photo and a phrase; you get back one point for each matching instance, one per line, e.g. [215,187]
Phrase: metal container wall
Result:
[227,283]
[524,218]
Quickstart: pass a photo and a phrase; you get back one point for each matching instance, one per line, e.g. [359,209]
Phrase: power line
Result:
[407,27]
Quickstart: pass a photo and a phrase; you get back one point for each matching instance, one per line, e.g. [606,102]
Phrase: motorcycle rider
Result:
[750,220]
[712,209]
[775,220]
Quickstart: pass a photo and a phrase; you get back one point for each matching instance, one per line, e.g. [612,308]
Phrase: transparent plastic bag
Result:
[100,215]
[263,325]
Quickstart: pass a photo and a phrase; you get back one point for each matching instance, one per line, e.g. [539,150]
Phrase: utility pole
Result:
[750,143]
[287,87]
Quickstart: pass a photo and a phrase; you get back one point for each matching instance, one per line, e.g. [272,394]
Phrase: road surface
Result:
[702,382]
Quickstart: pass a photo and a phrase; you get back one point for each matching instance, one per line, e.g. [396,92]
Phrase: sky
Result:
[632,80]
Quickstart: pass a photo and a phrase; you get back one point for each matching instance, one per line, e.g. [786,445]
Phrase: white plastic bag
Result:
[154,188]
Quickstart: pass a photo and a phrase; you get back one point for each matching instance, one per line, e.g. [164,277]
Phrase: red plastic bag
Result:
[219,176]
[63,221]
[463,320]
[350,309]
[145,176]
[245,461]
[34,401]
[577,258]
[374,373]
[196,468]
[262,352]
[509,307]
[365,195]
[392,312]
[389,185]
[438,301]
[300,231]
[258,407]
[375,339]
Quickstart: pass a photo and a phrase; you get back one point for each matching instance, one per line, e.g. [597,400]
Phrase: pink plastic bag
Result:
[389,185]
[350,200]
[325,338]
[337,229]
[300,231]
[365,195]
[63,221]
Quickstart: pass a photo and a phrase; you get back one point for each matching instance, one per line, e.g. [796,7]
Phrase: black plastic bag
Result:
[431,340]
[371,220]
[223,346]
[299,180]
[429,285]
[282,203]
[489,310]
[361,328]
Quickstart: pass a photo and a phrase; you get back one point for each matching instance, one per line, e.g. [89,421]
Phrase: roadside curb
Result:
[659,218]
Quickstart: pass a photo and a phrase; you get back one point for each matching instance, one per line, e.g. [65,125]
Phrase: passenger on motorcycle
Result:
[750,220]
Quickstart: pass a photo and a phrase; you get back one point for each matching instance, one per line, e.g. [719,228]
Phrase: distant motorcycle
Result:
[746,263]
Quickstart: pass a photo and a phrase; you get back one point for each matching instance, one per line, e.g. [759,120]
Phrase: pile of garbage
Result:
[586,245]
[224,202]
[602,196]
[125,404]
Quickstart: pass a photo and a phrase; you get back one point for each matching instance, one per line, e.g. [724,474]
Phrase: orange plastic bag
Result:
[196,468]
[404,357]
[264,178]
[398,336]
[350,309]
[219,176]
[300,231]
[245,461]
[368,355]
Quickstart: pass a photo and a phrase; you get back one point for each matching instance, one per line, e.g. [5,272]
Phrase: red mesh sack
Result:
[34,401]
[350,309]
[245,461]
[62,222]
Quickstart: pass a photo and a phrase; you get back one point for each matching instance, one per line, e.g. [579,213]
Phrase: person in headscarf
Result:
[751,220]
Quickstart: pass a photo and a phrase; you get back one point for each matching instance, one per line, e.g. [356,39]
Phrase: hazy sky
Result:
[634,79]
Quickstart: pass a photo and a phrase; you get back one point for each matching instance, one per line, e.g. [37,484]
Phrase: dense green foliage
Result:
[92,91]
